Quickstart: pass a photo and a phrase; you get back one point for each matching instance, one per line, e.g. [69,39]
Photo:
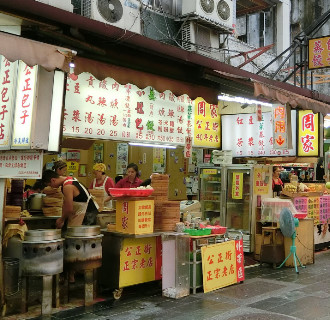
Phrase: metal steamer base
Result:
[83,252]
[42,257]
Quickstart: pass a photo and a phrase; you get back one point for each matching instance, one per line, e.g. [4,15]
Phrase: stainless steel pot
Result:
[35,201]
[40,235]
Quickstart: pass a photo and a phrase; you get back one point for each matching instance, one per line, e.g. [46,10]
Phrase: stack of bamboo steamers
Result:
[52,202]
[167,213]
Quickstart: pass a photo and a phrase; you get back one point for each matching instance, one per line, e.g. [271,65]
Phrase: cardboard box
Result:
[135,215]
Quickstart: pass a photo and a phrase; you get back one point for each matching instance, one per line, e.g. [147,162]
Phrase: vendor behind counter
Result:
[132,179]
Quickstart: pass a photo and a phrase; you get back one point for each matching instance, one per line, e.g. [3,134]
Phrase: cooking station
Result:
[42,257]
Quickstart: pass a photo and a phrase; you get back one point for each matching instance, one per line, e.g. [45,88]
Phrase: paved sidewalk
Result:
[276,294]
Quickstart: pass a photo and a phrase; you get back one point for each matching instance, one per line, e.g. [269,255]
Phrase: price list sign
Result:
[108,110]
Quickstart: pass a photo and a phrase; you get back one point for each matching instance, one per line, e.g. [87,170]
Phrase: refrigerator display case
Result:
[211,193]
[226,195]
[238,204]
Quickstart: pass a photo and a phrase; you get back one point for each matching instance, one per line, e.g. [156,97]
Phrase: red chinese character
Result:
[25,115]
[134,263]
[317,61]
[224,272]
[143,263]
[2,113]
[209,276]
[138,122]
[139,108]
[76,88]
[251,120]
[128,251]
[76,116]
[215,126]
[90,81]
[239,142]
[318,47]
[210,260]
[239,120]
[103,84]
[170,113]
[101,120]
[308,122]
[250,141]
[279,112]
[90,99]
[88,117]
[102,102]
[5,79]
[126,266]
[138,250]
[150,262]
[201,108]
[228,255]
[115,86]
[220,257]
[113,120]
[307,143]
[147,248]
[214,110]
[217,273]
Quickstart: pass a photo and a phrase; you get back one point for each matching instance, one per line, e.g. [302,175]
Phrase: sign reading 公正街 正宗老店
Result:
[223,264]
[108,110]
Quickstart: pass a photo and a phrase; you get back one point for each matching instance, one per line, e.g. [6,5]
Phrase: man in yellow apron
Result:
[78,206]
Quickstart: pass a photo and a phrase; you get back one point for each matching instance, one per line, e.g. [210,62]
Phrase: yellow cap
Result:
[99,167]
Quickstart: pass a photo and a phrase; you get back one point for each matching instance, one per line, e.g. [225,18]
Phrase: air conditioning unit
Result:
[200,39]
[124,14]
[61,4]
[213,12]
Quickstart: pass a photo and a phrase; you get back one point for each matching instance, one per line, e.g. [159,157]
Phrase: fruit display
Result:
[290,187]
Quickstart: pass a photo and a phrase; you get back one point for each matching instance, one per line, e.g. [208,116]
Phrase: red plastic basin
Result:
[300,215]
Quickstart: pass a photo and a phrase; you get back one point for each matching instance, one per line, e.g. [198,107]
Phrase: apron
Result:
[79,208]
[107,204]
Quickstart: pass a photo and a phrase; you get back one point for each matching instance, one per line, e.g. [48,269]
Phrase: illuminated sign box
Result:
[308,133]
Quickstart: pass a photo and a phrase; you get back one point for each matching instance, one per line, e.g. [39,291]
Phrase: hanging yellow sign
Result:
[308,133]
[318,53]
[206,124]
[260,186]
[237,187]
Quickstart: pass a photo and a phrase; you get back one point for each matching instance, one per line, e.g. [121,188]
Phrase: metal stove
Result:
[42,257]
[83,252]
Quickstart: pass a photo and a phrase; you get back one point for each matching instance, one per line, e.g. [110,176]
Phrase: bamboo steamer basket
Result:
[12,212]
[52,202]
[52,211]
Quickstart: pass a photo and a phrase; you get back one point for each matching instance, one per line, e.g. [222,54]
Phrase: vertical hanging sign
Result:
[280,138]
[206,124]
[27,77]
[237,188]
[308,133]
[8,72]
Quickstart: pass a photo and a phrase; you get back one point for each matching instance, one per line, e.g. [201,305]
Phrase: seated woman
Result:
[132,178]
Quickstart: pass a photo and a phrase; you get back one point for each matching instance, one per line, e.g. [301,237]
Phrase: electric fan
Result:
[288,226]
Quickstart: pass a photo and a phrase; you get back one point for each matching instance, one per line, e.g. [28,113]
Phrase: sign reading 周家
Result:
[308,133]
[319,53]
[223,264]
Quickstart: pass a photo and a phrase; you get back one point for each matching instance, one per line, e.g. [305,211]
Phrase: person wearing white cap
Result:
[102,182]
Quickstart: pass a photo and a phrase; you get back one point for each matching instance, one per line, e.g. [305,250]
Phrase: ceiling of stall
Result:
[250,6]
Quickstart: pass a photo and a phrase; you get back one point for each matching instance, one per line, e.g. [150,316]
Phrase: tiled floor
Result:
[266,294]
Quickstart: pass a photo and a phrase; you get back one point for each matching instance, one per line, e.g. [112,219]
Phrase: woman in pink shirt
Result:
[132,178]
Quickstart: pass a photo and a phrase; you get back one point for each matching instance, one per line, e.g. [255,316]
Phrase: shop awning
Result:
[35,53]
[282,96]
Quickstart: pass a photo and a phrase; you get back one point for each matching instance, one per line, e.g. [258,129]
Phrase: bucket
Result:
[11,275]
